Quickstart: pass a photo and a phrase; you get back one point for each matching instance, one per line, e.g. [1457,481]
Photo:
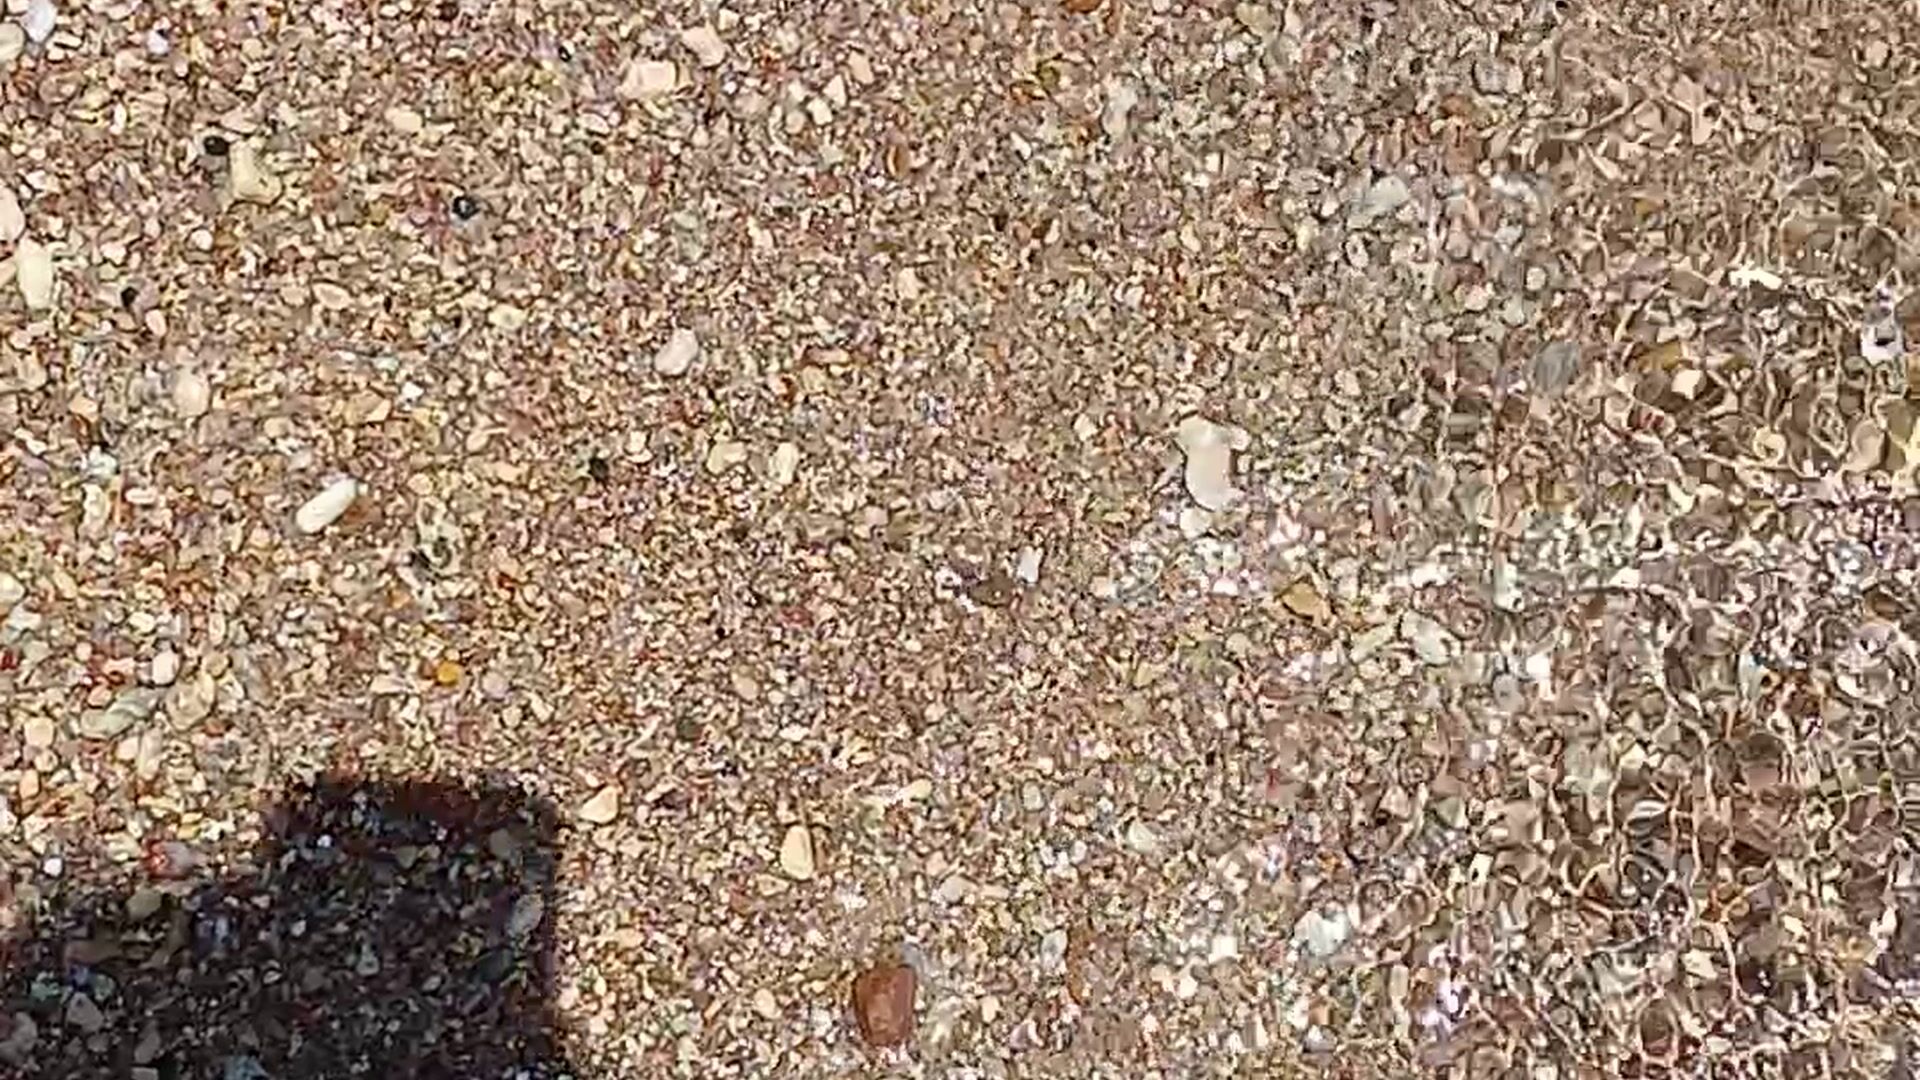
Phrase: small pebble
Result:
[678,354]
[406,121]
[724,455]
[1304,600]
[527,914]
[144,903]
[782,464]
[1027,569]
[39,20]
[705,45]
[127,710]
[13,42]
[12,591]
[37,732]
[995,590]
[33,273]
[646,80]
[1388,194]
[84,1014]
[192,395]
[1142,838]
[603,807]
[1209,450]
[13,221]
[796,853]
[1431,642]
[883,1002]
[1322,934]
[325,508]
[164,668]
[20,1035]
[247,178]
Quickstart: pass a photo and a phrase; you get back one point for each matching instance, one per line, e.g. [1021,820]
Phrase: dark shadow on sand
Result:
[385,930]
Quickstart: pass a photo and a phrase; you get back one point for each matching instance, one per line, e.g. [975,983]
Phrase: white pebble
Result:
[603,807]
[724,455]
[1322,934]
[1431,642]
[1028,568]
[782,464]
[12,591]
[33,269]
[1121,98]
[705,45]
[248,177]
[646,80]
[678,354]
[164,668]
[404,120]
[325,508]
[13,223]
[157,43]
[37,732]
[192,395]
[1209,449]
[796,853]
[38,21]
[1142,838]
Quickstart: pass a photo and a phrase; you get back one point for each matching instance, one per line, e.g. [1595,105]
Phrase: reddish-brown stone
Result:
[883,1003]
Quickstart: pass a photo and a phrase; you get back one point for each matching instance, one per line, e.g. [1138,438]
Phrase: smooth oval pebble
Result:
[33,265]
[325,508]
[678,354]
[796,853]
[192,395]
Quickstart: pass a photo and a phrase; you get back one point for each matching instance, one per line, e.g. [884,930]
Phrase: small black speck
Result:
[566,55]
[419,561]
[215,146]
[128,294]
[599,469]
[465,207]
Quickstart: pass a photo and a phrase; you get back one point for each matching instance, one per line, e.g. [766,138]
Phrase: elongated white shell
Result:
[325,508]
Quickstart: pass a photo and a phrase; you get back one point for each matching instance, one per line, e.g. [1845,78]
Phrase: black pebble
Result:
[128,294]
[495,964]
[215,146]
[465,207]
[599,469]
